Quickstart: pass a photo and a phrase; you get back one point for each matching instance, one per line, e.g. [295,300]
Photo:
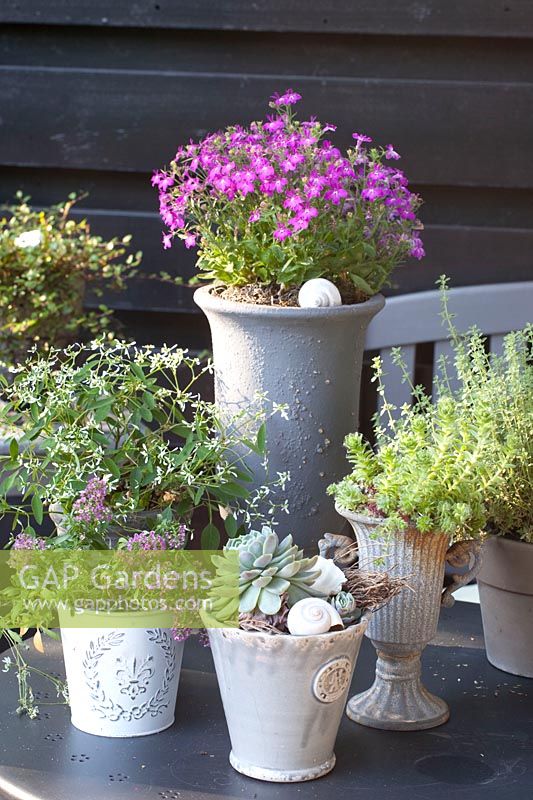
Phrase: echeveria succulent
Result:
[345,604]
[268,571]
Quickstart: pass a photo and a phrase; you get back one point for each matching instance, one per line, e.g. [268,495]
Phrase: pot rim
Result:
[117,616]
[365,518]
[208,301]
[507,541]
[257,636]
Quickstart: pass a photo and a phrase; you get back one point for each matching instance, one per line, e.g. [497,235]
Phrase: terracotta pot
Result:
[506,597]
[283,698]
[308,359]
[401,630]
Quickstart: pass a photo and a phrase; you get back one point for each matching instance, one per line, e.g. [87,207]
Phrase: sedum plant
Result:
[270,572]
[47,260]
[276,203]
[112,430]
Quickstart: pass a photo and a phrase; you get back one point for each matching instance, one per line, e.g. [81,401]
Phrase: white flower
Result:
[330,579]
[29,239]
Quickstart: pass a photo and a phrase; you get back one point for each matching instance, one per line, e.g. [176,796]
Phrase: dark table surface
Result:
[485,750]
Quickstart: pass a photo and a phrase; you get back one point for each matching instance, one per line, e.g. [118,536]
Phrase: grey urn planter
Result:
[284,697]
[506,596]
[310,360]
[400,631]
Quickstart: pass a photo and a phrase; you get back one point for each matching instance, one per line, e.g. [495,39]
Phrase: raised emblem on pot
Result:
[332,680]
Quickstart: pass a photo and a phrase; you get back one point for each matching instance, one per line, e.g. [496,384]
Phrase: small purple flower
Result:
[25,541]
[289,98]
[167,241]
[417,248]
[90,506]
[255,216]
[281,233]
[360,138]
[181,634]
[150,540]
[336,196]
[390,152]
[190,240]
[293,201]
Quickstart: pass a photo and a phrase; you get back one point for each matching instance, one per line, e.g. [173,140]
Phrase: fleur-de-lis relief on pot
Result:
[134,678]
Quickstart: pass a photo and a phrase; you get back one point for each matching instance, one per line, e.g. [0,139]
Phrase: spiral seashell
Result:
[313,615]
[318,293]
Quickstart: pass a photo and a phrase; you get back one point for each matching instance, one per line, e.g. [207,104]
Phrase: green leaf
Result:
[13,448]
[261,438]
[37,508]
[102,411]
[230,524]
[210,537]
[112,468]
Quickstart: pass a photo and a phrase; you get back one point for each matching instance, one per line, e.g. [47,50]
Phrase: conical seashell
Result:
[313,615]
[319,292]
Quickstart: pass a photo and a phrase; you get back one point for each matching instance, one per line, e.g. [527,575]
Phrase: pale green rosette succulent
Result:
[345,604]
[268,571]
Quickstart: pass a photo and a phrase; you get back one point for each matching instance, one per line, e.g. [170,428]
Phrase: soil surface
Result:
[273,295]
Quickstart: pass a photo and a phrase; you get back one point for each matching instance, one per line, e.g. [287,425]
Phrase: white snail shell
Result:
[319,292]
[313,615]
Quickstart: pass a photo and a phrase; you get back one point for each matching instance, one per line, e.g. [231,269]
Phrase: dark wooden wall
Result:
[94,94]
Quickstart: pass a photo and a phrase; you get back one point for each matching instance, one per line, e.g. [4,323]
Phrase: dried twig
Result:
[373,589]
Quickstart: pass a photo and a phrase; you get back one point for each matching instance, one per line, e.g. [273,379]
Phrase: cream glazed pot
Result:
[284,697]
[400,631]
[122,681]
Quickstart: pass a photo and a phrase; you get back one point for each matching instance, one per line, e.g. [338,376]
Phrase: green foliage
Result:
[131,417]
[463,463]
[500,389]
[46,262]
[269,571]
[430,469]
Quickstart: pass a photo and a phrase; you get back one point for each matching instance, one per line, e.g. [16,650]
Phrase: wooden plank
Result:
[314,54]
[133,120]
[429,17]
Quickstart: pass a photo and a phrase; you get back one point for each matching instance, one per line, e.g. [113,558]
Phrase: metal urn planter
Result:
[310,360]
[284,697]
[400,631]
[122,682]
[506,596]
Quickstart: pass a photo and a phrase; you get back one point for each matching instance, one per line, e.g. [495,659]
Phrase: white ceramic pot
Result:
[122,681]
[284,697]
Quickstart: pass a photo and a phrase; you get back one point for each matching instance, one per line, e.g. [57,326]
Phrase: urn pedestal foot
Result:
[397,700]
